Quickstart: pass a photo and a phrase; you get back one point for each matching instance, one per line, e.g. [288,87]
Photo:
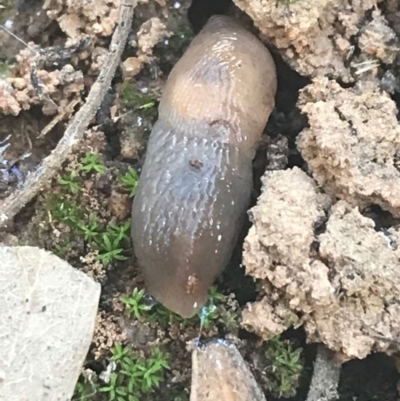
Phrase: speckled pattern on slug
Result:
[197,178]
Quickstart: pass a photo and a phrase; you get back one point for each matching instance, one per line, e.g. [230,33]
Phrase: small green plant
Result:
[66,211]
[91,162]
[135,303]
[70,182]
[85,225]
[119,352]
[111,245]
[285,367]
[165,317]
[116,389]
[153,369]
[210,312]
[110,249]
[90,230]
[111,242]
[84,390]
[120,232]
[138,101]
[5,68]
[148,105]
[214,310]
[131,181]
[62,249]
[135,375]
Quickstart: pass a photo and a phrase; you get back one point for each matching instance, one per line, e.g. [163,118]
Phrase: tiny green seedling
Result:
[135,304]
[214,310]
[215,296]
[136,100]
[120,232]
[83,222]
[91,162]
[119,352]
[110,249]
[134,375]
[67,212]
[115,389]
[90,230]
[131,181]
[211,311]
[5,70]
[152,370]
[147,105]
[70,182]
[62,249]
[285,367]
[84,391]
[111,243]
[208,314]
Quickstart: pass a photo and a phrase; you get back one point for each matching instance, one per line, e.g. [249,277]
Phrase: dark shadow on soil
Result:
[374,378]
[382,218]
[287,121]
[396,98]
[201,10]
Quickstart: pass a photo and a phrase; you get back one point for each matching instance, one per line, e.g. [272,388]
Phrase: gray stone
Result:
[47,318]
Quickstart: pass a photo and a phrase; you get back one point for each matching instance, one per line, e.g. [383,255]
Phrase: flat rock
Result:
[47,318]
[220,373]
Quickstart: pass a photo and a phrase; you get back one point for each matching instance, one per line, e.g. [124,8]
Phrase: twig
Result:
[38,179]
[325,377]
[66,112]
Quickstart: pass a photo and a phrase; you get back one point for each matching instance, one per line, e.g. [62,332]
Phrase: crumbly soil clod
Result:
[323,38]
[342,282]
[352,144]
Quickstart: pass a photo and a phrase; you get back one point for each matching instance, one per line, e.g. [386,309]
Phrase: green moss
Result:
[135,100]
[91,163]
[85,390]
[216,311]
[6,8]
[130,181]
[171,50]
[180,40]
[284,367]
[5,69]
[67,207]
[134,375]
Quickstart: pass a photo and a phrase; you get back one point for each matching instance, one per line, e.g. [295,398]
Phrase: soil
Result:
[72,37]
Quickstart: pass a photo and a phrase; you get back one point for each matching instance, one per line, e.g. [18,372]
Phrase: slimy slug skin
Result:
[197,179]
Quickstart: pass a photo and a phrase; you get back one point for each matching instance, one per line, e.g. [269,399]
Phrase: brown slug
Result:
[196,181]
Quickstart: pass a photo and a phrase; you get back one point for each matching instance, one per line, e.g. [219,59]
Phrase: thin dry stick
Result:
[76,129]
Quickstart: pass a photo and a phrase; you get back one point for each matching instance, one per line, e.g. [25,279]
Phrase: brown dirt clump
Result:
[352,146]
[323,38]
[77,17]
[59,88]
[342,284]
[277,251]
[378,39]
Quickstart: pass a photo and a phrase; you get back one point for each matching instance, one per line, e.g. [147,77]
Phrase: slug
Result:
[196,181]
